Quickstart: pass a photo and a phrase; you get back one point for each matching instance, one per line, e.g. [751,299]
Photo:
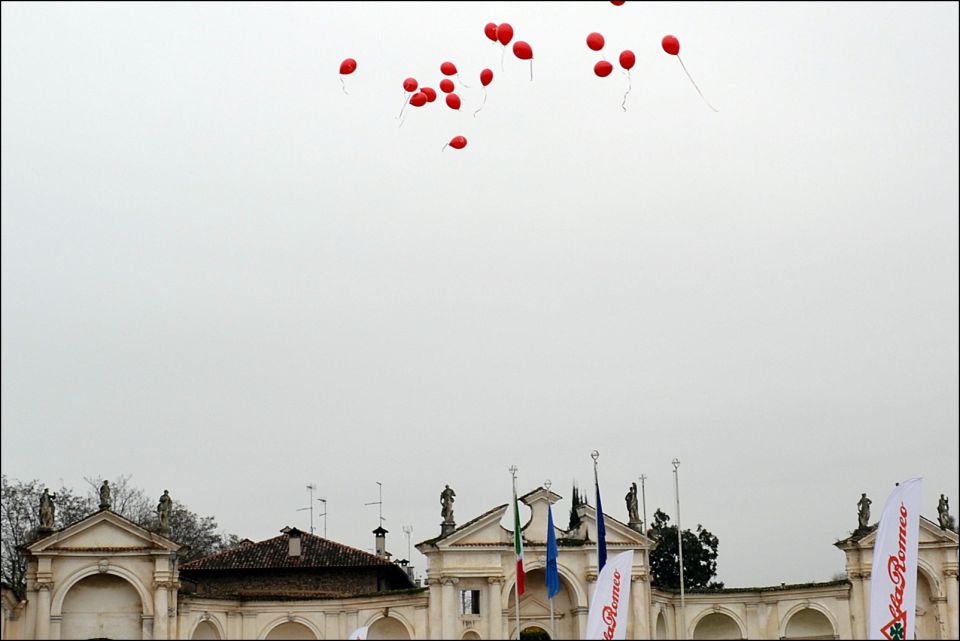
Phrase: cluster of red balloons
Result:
[503,33]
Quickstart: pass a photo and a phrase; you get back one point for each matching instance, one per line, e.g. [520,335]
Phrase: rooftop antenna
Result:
[379,502]
[310,488]
[324,515]
[408,530]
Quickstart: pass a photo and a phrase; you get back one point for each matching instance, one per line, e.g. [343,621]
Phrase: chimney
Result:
[381,538]
[293,540]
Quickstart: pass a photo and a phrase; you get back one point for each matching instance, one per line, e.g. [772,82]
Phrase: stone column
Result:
[342,625]
[436,609]
[43,609]
[160,610]
[581,622]
[249,623]
[234,627]
[494,608]
[449,608]
[420,625]
[591,586]
[858,609]
[752,621]
[953,607]
[639,595]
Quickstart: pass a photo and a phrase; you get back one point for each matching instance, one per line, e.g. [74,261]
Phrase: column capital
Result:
[852,574]
[43,585]
[496,579]
[432,581]
[449,580]
[950,572]
[163,585]
[639,576]
[592,577]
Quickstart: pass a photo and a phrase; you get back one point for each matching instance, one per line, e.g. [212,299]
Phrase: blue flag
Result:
[601,534]
[553,574]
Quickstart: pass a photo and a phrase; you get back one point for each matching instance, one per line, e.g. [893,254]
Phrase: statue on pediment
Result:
[943,513]
[863,511]
[105,501]
[632,507]
[446,500]
[163,511]
[46,510]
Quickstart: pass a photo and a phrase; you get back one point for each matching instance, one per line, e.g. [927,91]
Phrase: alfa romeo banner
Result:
[610,606]
[893,578]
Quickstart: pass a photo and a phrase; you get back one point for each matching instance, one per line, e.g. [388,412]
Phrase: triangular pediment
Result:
[483,530]
[930,535]
[104,530]
[617,532]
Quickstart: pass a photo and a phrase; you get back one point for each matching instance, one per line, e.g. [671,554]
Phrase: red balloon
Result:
[348,66]
[448,68]
[595,41]
[486,77]
[429,93]
[671,45]
[453,101]
[418,99]
[616,3]
[505,33]
[446,85]
[522,50]
[410,84]
[458,142]
[627,59]
[490,30]
[602,68]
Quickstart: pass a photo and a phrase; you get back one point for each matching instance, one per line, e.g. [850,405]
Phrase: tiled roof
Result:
[315,552]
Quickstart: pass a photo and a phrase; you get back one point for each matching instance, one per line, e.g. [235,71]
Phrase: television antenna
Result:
[310,488]
[408,530]
[379,502]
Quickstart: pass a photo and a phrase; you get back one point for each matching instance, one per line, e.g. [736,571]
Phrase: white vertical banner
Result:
[359,633]
[610,606]
[893,578]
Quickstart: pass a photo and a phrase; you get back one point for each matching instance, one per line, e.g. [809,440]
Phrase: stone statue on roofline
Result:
[163,512]
[943,513]
[632,508]
[863,512]
[446,500]
[46,511]
[105,501]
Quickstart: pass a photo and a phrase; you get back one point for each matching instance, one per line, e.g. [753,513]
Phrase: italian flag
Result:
[518,544]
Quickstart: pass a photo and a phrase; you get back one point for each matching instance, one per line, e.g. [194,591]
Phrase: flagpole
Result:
[596,484]
[516,587]
[683,604]
[553,629]
[643,492]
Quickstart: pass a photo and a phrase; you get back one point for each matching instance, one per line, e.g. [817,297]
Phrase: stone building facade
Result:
[105,577]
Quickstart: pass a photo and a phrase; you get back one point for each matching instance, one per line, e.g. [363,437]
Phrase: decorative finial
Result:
[513,471]
[595,455]
[676,463]
[547,484]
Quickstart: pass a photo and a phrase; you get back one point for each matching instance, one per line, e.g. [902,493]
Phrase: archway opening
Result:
[102,606]
[206,630]
[717,626]
[809,624]
[534,633]
[661,632]
[471,635]
[928,626]
[387,628]
[535,606]
[291,630]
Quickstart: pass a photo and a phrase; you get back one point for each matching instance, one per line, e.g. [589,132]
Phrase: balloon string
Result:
[462,82]
[343,86]
[695,84]
[623,105]
[531,69]
[402,120]
[503,51]
[481,104]
[404,104]
[444,148]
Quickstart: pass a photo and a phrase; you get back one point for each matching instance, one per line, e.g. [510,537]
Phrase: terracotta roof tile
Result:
[315,552]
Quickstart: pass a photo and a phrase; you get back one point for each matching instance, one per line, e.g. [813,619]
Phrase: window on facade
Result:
[469,601]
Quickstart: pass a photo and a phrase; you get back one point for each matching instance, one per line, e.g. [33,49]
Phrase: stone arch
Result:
[566,576]
[213,622]
[661,626]
[56,602]
[812,607]
[104,606]
[924,567]
[716,611]
[927,623]
[471,635]
[289,618]
[392,617]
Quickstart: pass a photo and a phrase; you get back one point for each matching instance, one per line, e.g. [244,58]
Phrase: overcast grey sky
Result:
[226,277]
